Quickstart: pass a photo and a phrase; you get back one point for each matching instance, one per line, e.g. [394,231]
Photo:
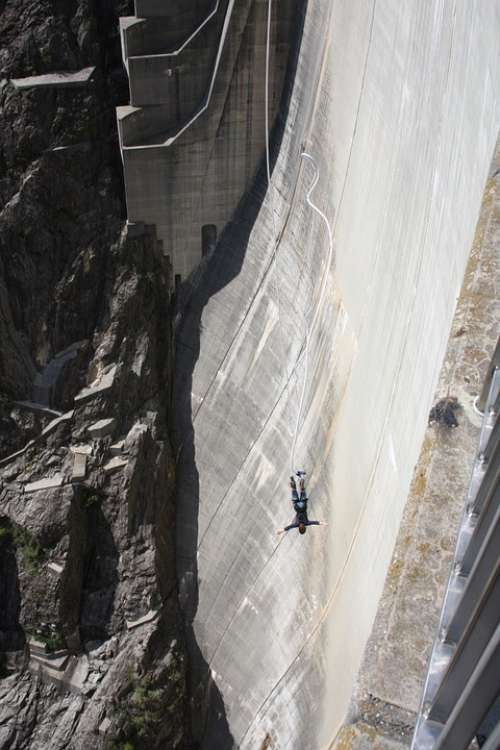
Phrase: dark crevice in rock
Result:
[100,577]
[11,633]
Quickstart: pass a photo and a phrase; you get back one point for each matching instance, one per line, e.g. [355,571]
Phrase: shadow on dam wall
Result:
[272,623]
[210,728]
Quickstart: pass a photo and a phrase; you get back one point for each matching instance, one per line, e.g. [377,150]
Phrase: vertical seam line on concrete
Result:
[251,304]
[300,354]
[222,110]
[275,549]
[255,295]
[285,224]
[354,537]
[252,446]
[290,375]
[309,331]
[270,185]
[331,231]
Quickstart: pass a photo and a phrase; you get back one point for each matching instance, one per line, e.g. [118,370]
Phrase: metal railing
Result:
[463,679]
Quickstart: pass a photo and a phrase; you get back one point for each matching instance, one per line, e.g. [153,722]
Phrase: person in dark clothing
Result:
[301,521]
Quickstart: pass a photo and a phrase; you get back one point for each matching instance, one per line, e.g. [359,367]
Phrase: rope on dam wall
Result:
[309,333]
[276,238]
[313,311]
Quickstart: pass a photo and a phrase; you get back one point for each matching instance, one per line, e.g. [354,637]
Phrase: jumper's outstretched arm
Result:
[296,526]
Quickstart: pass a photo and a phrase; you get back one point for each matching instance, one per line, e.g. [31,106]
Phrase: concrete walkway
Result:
[47,379]
[37,408]
[70,79]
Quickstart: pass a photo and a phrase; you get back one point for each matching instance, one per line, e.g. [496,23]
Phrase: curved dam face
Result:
[399,104]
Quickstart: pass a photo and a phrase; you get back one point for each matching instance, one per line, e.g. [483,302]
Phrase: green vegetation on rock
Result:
[51,636]
[91,499]
[31,551]
[141,714]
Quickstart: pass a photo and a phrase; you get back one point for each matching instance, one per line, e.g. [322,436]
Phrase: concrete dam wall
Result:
[320,333]
[193,134]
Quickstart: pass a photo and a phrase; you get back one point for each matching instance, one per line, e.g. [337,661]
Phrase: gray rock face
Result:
[82,556]
[84,551]
[59,209]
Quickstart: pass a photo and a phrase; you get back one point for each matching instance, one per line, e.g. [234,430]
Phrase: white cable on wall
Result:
[309,333]
[309,193]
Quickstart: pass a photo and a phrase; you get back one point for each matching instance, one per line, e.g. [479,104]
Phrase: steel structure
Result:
[463,680]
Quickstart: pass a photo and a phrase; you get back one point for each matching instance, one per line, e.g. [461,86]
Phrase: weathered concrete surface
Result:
[400,106]
[158,8]
[114,464]
[156,35]
[55,80]
[103,383]
[47,380]
[180,183]
[102,427]
[79,467]
[45,484]
[364,737]
[395,663]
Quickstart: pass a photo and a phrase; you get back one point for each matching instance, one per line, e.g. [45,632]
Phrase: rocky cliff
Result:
[91,645]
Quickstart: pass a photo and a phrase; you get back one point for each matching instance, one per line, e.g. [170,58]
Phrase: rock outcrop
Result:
[92,653]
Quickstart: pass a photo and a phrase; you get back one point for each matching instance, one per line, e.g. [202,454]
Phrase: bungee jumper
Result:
[301,521]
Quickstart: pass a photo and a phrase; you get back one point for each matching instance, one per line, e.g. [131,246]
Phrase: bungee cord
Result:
[320,213]
[309,333]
